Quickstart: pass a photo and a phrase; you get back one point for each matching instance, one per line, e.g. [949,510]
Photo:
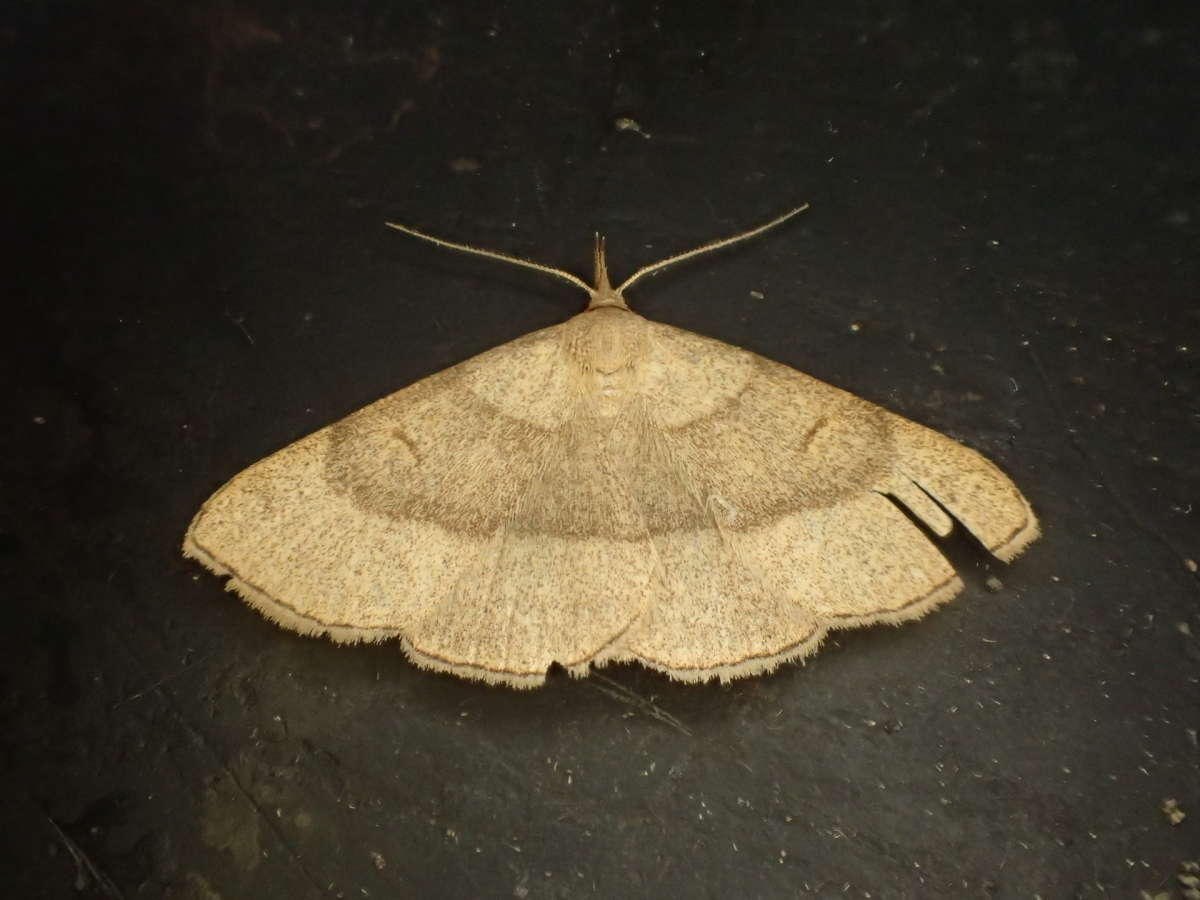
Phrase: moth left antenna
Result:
[492,254]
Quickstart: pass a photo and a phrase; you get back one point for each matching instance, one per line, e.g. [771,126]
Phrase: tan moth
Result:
[606,489]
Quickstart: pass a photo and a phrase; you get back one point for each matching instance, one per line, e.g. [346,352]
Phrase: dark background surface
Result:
[1002,245]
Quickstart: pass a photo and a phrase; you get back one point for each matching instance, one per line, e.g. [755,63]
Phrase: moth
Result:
[606,489]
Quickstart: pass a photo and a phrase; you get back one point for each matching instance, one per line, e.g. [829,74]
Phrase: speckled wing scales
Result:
[470,514]
[565,571]
[711,515]
[790,530]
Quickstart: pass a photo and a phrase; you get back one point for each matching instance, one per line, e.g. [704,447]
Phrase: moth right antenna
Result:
[706,248]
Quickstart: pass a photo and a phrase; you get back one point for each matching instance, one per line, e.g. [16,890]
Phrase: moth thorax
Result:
[607,340]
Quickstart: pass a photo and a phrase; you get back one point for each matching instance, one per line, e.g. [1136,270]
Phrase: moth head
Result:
[604,294]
